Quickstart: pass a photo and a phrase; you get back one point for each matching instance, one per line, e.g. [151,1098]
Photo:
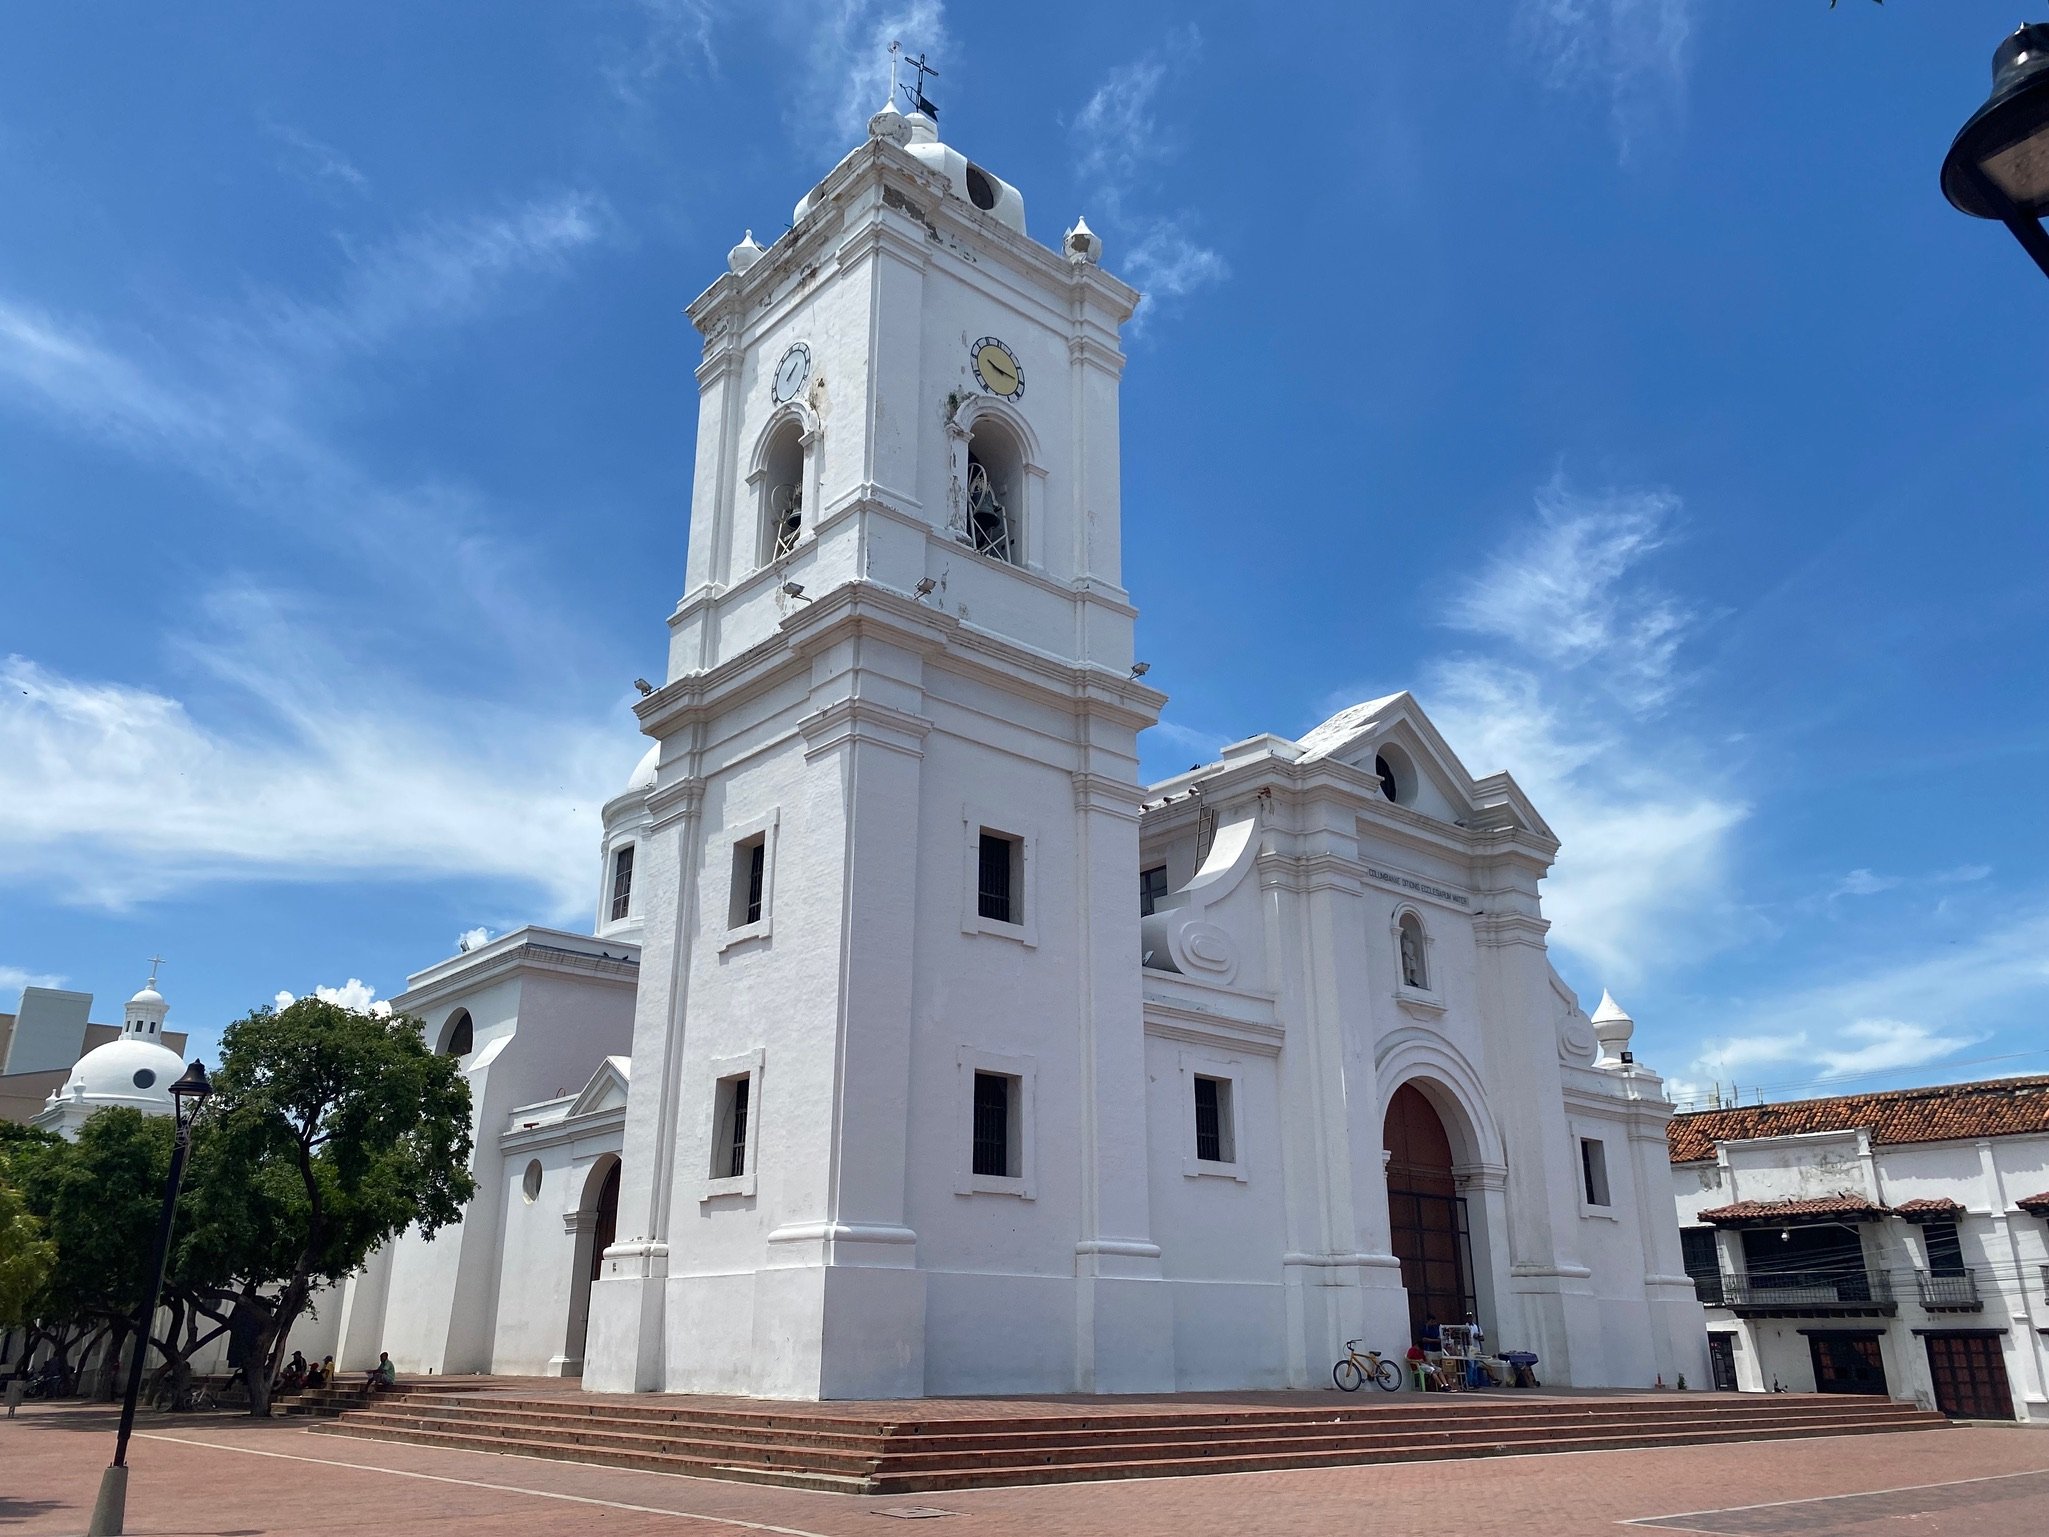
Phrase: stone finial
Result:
[743,255]
[1612,1028]
[1082,244]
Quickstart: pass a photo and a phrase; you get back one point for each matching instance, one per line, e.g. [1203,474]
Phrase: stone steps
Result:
[818,1449]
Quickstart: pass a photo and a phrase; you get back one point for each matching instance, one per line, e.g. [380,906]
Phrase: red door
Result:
[1969,1373]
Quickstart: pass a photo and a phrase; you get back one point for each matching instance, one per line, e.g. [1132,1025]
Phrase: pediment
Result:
[1434,781]
[607,1088]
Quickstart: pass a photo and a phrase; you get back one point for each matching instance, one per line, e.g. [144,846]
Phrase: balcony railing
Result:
[1954,1292]
[1814,1292]
[1709,1289]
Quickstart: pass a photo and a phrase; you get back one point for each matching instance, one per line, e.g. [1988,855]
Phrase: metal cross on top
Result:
[914,94]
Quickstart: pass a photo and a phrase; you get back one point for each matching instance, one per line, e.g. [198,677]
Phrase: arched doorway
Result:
[1427,1221]
[597,1227]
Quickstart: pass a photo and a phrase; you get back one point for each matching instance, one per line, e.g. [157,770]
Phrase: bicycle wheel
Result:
[1389,1376]
[1347,1376]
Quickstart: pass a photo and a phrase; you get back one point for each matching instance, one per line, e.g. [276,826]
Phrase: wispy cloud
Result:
[1121,143]
[13,979]
[243,404]
[1634,53]
[317,162]
[676,35]
[309,771]
[1566,592]
[841,49]
[1862,883]
[1586,657]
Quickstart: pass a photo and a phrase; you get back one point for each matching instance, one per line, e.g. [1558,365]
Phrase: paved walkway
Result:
[227,1476]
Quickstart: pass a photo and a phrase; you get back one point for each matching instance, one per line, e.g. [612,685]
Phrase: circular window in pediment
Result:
[145,1078]
[1384,772]
[981,190]
[530,1182]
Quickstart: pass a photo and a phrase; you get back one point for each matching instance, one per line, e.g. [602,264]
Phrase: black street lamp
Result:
[1998,168]
[188,1096]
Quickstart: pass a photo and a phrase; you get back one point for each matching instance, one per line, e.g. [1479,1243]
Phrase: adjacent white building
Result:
[919,1048]
[1893,1243]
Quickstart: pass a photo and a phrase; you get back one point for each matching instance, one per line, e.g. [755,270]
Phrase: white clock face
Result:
[791,373]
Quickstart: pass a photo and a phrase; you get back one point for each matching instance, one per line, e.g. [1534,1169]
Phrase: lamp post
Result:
[188,1096]
[1998,168]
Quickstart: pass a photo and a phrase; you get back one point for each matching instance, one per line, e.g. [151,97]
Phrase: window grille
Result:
[992,1125]
[729,1150]
[757,868]
[995,895]
[748,899]
[622,883]
[1213,1142]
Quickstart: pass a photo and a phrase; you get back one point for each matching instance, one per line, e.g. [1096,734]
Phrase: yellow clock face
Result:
[997,368]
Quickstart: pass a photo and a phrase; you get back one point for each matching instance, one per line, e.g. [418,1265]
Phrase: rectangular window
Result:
[729,1127]
[1152,889]
[622,882]
[996,890]
[1945,1250]
[1593,1164]
[1703,1263]
[750,874]
[1214,1142]
[996,1126]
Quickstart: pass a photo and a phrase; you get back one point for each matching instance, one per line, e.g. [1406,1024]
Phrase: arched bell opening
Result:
[995,492]
[782,493]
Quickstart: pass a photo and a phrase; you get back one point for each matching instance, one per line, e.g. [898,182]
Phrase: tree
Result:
[331,1132]
[26,1257]
[96,1201]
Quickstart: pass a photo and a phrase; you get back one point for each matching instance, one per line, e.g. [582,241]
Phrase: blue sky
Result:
[1608,372]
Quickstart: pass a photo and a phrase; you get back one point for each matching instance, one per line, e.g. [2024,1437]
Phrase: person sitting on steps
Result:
[382,1377]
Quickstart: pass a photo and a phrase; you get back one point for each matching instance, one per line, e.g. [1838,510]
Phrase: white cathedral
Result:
[919,1048]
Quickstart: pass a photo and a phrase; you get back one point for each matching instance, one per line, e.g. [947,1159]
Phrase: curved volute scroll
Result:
[1181,937]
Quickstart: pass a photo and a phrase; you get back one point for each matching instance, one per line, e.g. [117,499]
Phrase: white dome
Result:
[130,1071]
[148,995]
[644,771]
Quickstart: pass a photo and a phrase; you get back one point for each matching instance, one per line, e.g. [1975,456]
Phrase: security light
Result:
[925,586]
[644,686]
[794,590]
[1140,669]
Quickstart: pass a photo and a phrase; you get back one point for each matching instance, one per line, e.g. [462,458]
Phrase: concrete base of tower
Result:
[623,1347]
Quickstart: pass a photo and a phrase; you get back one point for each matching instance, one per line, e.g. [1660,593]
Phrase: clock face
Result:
[791,372]
[997,368]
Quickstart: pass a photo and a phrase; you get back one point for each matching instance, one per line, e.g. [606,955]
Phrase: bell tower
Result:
[886,1133]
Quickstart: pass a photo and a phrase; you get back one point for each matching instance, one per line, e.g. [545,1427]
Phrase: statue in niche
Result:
[1412,954]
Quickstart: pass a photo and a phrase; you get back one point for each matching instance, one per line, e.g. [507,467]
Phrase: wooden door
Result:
[1722,1359]
[1969,1374]
[1847,1363]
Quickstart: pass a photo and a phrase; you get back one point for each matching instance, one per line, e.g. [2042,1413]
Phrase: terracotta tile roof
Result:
[2038,1204]
[1855,1207]
[1998,1107]
[1928,1209]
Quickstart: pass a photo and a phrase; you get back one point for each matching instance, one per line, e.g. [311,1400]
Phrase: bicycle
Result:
[1355,1370]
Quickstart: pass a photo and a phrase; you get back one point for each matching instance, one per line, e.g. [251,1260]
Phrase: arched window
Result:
[458,1036]
[782,507]
[995,493]
[1413,952]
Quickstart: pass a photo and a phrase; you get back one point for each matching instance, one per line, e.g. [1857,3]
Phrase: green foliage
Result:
[26,1257]
[96,1201]
[331,1131]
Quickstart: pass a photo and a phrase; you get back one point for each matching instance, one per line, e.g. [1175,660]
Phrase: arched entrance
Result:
[1427,1221]
[597,1226]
